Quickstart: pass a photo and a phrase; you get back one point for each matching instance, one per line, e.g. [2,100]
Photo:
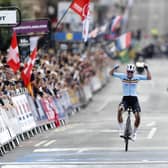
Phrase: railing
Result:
[25,117]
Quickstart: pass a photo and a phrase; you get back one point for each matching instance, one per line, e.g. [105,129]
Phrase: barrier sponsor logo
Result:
[48,109]
[24,113]
[4,133]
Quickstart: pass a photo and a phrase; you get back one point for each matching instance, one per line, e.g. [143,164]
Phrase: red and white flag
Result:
[27,71]
[13,59]
[81,7]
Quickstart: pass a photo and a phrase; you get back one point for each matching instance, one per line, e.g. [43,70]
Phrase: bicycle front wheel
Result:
[127,132]
[126,144]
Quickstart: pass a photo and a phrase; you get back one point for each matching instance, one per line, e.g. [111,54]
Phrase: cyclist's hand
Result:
[145,66]
[116,66]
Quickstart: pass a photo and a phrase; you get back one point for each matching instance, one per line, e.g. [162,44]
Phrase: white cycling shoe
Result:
[133,136]
[121,133]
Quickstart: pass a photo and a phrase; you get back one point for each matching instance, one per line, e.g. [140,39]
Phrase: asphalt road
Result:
[91,138]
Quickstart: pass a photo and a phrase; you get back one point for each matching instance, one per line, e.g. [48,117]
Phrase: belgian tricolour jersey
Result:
[129,85]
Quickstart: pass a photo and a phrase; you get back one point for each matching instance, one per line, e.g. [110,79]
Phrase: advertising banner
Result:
[9,120]
[26,107]
[4,133]
[64,36]
[49,110]
[60,109]
[24,113]
[24,47]
[34,26]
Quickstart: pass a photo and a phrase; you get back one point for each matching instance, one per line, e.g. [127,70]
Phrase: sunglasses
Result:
[130,71]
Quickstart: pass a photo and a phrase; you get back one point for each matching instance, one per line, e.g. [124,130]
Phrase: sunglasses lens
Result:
[130,71]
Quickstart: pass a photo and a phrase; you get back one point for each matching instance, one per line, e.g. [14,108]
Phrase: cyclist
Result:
[130,98]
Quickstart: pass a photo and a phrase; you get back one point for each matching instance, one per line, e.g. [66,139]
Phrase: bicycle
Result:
[128,129]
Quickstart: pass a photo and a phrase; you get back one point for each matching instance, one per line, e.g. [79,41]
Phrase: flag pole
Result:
[60,20]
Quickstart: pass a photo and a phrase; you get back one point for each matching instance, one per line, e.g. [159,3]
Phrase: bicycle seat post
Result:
[129,110]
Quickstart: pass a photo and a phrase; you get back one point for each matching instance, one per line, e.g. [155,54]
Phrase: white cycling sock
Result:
[135,130]
[121,126]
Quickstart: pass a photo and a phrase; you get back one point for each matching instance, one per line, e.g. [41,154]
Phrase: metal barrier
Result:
[26,117]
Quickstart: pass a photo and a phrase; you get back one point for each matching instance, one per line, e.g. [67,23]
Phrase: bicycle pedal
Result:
[122,136]
[126,137]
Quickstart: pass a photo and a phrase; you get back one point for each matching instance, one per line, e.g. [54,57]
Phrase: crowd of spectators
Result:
[68,70]
[52,73]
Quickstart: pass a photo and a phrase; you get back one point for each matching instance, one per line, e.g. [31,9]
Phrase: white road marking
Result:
[151,124]
[74,163]
[92,131]
[109,131]
[49,143]
[81,150]
[94,149]
[56,149]
[40,143]
[145,160]
[151,133]
[60,129]
[65,128]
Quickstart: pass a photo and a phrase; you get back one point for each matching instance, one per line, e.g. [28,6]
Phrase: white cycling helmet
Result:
[131,67]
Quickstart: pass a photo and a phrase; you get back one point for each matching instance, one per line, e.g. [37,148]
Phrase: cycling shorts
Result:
[131,101]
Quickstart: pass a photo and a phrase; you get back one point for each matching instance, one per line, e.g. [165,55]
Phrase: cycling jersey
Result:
[129,85]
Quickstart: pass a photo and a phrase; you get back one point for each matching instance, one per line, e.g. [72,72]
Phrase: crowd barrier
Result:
[25,117]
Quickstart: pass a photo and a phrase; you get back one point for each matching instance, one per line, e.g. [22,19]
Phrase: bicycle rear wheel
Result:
[126,143]
[127,132]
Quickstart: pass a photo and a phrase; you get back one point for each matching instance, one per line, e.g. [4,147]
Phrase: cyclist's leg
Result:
[136,125]
[121,109]
[120,120]
[136,110]
[137,119]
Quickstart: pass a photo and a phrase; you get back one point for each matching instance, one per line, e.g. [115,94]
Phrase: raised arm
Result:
[114,69]
[149,76]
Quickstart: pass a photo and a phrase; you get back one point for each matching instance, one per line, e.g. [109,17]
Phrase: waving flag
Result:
[81,7]
[13,59]
[115,22]
[85,32]
[124,41]
[27,71]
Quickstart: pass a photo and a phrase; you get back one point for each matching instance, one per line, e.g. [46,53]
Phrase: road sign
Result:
[9,16]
